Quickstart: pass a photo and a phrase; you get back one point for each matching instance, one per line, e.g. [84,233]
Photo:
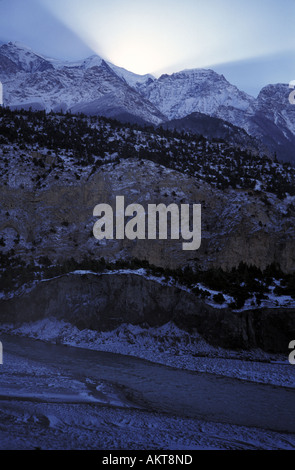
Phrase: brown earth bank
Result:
[104,301]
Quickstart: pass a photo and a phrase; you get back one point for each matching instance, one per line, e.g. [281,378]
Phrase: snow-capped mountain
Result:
[270,117]
[90,86]
[133,79]
[22,58]
[95,86]
[204,91]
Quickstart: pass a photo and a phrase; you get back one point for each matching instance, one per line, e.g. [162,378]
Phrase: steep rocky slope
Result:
[102,302]
[57,220]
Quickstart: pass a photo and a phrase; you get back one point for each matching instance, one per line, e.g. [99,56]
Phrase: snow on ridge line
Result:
[268,303]
[137,272]
[33,284]
[271,302]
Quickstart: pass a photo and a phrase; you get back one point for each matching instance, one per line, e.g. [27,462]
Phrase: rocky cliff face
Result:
[103,302]
[57,221]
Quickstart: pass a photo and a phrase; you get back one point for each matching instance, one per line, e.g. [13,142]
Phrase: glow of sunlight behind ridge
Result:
[158,35]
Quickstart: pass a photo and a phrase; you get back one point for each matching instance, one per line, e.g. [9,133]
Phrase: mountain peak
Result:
[92,61]
[24,58]
[202,90]
[198,73]
[19,45]
[16,47]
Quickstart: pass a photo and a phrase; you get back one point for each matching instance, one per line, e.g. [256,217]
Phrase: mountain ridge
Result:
[93,86]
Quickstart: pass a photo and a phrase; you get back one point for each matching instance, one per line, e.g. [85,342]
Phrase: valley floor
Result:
[51,404]
[167,345]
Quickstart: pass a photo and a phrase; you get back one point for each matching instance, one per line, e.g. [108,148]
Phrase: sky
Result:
[250,41]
